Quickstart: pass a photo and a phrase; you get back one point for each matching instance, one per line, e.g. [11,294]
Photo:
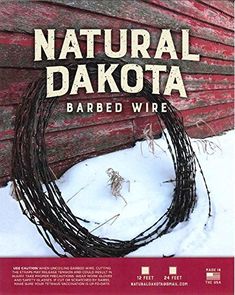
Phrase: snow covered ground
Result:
[148,195]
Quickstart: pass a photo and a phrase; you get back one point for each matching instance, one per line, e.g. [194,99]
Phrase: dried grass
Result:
[116,181]
[206,146]
[114,218]
[149,137]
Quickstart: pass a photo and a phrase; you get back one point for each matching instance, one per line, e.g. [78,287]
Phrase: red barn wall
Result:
[208,110]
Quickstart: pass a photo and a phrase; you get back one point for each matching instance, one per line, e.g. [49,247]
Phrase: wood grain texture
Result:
[225,6]
[76,18]
[141,12]
[13,84]
[70,138]
[200,11]
[76,142]
[60,167]
[215,127]
[65,124]
[17,56]
[205,48]
[200,130]
[61,120]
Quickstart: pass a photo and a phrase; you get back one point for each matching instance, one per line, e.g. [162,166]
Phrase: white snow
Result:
[148,196]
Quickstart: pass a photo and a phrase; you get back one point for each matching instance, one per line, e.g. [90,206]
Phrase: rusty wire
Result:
[41,200]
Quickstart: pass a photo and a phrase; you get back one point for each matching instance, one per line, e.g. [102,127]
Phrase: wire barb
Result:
[41,199]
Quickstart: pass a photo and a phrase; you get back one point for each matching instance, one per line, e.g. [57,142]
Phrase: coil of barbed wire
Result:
[42,201]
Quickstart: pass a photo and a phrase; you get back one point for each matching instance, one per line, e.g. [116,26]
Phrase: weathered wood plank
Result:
[60,167]
[17,51]
[61,120]
[202,99]
[22,57]
[187,66]
[200,82]
[205,112]
[134,10]
[197,82]
[199,129]
[5,157]
[13,83]
[76,142]
[69,18]
[191,117]
[212,128]
[209,113]
[139,123]
[224,6]
[214,61]
[203,47]
[198,10]
[7,119]
[194,117]
[203,129]
[63,145]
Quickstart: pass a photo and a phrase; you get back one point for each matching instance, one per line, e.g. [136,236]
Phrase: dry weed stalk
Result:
[77,193]
[201,121]
[51,215]
[115,181]
[148,136]
[206,146]
[114,218]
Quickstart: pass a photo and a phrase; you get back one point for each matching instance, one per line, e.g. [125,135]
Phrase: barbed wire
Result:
[41,200]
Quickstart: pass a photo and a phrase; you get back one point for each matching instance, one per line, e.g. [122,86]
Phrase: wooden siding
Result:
[208,110]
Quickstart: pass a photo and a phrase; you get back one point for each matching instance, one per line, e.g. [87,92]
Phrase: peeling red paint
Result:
[209,83]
